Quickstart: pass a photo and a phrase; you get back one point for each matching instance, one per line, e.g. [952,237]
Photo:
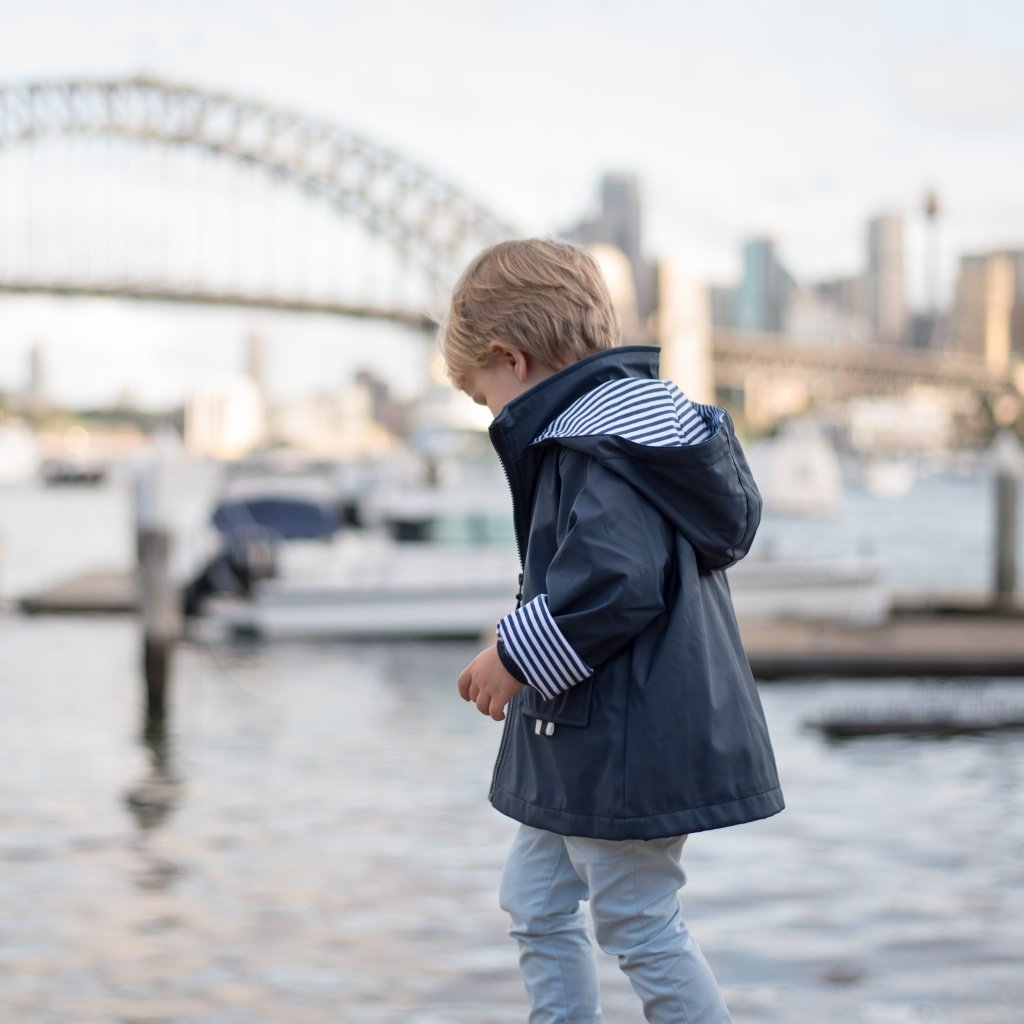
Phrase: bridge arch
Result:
[428,220]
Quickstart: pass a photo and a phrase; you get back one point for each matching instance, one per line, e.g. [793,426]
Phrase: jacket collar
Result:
[525,417]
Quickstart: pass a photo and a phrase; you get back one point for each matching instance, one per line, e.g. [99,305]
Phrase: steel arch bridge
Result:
[428,222]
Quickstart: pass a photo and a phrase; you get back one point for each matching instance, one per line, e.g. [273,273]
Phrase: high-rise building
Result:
[619,222]
[988,316]
[622,214]
[684,331]
[761,299]
[885,291]
[226,419]
[256,362]
[38,390]
[846,294]
[1016,259]
[723,301]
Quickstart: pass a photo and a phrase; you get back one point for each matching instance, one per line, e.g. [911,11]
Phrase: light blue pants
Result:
[633,888]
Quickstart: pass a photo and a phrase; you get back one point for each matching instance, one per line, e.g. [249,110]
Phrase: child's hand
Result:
[486,682]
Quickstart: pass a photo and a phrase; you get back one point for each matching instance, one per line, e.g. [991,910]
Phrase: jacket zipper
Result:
[513,704]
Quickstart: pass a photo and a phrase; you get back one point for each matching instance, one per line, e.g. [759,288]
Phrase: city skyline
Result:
[798,123]
[762,297]
[739,120]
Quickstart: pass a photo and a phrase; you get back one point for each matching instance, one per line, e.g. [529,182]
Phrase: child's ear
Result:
[515,359]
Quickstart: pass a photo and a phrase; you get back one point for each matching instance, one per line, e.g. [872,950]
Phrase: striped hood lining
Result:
[648,412]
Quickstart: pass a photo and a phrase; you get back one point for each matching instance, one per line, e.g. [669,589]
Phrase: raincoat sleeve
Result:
[604,585]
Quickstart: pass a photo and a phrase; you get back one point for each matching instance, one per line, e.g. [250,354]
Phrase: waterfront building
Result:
[618,276]
[225,420]
[988,315]
[845,294]
[335,425]
[927,330]
[722,299]
[38,390]
[621,217]
[814,315]
[761,300]
[684,331]
[256,363]
[619,222]
[884,285]
[924,420]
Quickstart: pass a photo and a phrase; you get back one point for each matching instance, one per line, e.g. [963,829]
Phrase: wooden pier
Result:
[95,593]
[936,643]
[943,636]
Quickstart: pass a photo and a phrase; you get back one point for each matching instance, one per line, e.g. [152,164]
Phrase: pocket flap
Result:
[570,708]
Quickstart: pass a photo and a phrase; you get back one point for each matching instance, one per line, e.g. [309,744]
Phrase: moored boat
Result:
[432,562]
[19,453]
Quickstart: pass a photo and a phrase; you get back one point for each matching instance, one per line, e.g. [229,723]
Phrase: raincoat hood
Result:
[682,457]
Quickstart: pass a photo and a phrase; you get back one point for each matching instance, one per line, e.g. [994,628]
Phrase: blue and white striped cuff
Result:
[533,640]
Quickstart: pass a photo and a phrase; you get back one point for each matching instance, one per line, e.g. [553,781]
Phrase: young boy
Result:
[631,717]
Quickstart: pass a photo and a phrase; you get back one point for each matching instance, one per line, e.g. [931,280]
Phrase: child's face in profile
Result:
[507,374]
[494,385]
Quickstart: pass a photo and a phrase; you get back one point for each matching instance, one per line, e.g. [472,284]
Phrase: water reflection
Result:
[333,857]
[155,796]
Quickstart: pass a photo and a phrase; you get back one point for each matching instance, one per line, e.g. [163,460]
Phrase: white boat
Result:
[436,563]
[852,591]
[452,593]
[887,478]
[383,589]
[442,563]
[19,454]
[798,471]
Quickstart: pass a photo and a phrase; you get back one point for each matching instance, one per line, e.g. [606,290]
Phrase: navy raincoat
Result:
[640,717]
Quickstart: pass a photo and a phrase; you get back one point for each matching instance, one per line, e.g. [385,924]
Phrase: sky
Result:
[794,119]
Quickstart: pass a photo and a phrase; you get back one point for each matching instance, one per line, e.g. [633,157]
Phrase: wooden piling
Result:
[159,603]
[1007,465]
[1007,488]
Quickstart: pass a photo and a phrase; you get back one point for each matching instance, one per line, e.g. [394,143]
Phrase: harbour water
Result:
[313,842]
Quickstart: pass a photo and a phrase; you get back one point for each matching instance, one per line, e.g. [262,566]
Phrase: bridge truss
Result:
[845,370]
[773,376]
[427,222]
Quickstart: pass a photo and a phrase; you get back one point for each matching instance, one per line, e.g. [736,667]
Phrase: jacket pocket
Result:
[569,708]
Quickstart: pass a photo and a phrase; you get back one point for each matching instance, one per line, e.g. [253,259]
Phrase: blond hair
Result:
[546,297]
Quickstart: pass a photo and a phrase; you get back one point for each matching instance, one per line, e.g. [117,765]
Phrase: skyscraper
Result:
[256,362]
[885,292]
[620,223]
[38,390]
[760,301]
[988,317]
[621,215]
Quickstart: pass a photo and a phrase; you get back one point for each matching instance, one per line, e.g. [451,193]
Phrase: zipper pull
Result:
[543,728]
[519,596]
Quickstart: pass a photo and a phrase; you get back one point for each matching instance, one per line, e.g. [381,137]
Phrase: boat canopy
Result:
[290,518]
